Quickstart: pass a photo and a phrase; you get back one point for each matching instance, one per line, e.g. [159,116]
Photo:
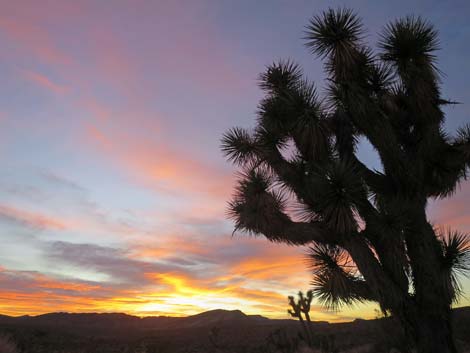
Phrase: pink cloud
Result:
[35,39]
[44,82]
[453,211]
[31,219]
[98,111]
[98,137]
[159,166]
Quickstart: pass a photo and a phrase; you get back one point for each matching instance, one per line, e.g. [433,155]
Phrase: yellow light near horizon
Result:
[182,298]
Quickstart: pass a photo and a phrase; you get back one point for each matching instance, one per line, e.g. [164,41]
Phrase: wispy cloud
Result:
[112,262]
[44,82]
[33,38]
[159,166]
[30,219]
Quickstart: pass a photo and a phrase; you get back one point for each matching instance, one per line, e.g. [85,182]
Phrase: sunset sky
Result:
[113,188]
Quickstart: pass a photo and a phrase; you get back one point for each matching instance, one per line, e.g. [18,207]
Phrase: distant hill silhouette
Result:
[85,331]
[112,321]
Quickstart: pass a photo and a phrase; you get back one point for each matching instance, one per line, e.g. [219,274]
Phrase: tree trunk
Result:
[431,331]
[309,329]
[430,311]
[306,331]
[434,334]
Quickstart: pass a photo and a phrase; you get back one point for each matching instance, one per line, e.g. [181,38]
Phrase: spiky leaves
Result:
[336,280]
[456,260]
[409,41]
[463,136]
[445,167]
[381,78]
[333,32]
[238,146]
[309,128]
[339,191]
[280,77]
[456,246]
[258,209]
[462,142]
[292,110]
[336,35]
[255,207]
[409,44]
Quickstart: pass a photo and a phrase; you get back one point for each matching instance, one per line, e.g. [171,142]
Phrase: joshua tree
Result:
[299,307]
[369,235]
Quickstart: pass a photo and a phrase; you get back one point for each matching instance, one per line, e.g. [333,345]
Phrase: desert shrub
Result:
[7,345]
[282,342]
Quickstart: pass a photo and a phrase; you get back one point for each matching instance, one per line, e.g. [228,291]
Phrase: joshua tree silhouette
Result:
[369,235]
[299,307]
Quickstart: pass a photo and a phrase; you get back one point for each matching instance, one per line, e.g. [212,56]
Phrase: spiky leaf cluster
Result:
[456,259]
[336,278]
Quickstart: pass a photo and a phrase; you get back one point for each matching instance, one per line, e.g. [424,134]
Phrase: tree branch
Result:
[278,227]
[384,289]
[259,211]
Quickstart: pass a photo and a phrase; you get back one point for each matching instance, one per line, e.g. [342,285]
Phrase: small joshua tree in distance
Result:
[302,306]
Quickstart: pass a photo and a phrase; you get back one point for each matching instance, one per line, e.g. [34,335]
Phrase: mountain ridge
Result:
[117,332]
[222,314]
[214,315]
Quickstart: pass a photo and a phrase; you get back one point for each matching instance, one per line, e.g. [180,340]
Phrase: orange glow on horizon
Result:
[172,295]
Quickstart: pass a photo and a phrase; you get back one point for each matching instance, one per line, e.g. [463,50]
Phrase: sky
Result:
[113,191]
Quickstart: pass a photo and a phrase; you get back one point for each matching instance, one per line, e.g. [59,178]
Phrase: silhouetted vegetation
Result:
[7,345]
[300,309]
[303,184]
